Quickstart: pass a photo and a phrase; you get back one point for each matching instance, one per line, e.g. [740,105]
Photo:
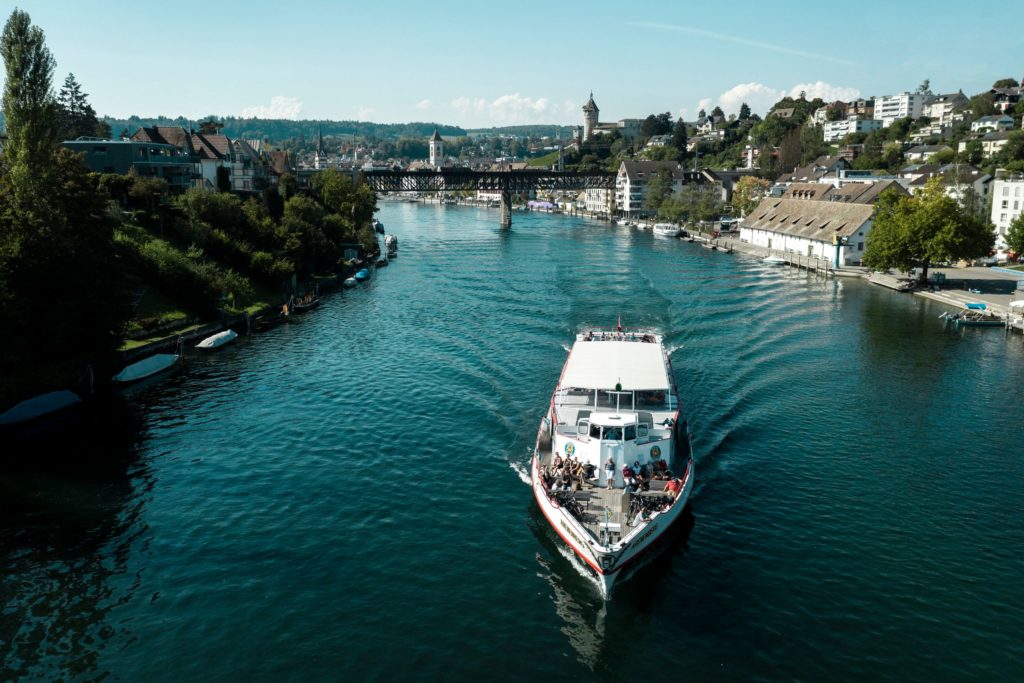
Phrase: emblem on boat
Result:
[607,561]
[569,449]
[655,452]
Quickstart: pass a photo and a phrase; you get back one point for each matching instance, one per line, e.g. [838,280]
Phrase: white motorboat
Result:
[773,260]
[147,367]
[350,282]
[667,229]
[622,221]
[615,404]
[218,340]
[38,406]
[391,245]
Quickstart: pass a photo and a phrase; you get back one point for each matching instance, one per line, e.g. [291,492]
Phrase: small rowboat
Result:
[305,306]
[362,274]
[44,404]
[147,367]
[350,282]
[218,340]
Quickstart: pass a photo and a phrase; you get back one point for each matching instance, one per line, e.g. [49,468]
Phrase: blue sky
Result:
[496,63]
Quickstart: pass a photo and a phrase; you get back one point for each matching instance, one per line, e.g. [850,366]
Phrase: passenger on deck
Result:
[642,483]
[628,477]
[566,481]
[609,473]
[590,473]
[558,462]
[674,486]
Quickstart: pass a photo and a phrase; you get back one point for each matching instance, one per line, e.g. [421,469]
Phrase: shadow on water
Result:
[69,503]
[595,628]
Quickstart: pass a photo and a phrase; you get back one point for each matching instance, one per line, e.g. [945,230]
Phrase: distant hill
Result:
[277,130]
[534,131]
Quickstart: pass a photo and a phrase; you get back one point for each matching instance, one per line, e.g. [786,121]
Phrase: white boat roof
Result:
[603,364]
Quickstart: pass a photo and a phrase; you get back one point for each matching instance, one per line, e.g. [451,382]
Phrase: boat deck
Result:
[603,510]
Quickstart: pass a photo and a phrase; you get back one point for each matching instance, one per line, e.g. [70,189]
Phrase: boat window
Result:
[641,431]
[650,400]
[583,427]
[612,399]
[612,434]
[578,397]
[630,431]
[595,431]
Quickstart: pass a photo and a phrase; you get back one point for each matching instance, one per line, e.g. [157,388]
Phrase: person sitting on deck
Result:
[674,486]
[590,473]
[558,462]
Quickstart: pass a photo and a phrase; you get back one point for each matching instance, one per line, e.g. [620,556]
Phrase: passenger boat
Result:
[667,229]
[615,403]
[147,367]
[39,406]
[362,274]
[217,340]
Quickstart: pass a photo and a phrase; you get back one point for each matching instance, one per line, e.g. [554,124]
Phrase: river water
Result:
[345,497]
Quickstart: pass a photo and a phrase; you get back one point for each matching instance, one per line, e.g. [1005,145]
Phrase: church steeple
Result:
[320,157]
[436,150]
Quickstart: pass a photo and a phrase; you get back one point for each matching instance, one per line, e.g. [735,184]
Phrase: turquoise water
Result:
[344,497]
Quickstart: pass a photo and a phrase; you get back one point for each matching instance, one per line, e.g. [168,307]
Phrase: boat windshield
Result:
[651,400]
[617,400]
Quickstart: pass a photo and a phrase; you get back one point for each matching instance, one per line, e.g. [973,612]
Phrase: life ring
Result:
[655,452]
[569,450]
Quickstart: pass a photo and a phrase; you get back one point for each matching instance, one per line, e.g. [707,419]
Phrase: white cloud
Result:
[364,112]
[424,104]
[760,97]
[826,91]
[281,107]
[683,112]
[513,109]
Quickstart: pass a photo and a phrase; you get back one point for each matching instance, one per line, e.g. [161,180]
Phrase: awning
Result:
[604,364]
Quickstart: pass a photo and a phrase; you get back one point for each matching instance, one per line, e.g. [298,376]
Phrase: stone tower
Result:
[436,150]
[590,112]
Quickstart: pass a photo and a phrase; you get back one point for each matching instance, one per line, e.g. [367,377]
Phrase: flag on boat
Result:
[619,325]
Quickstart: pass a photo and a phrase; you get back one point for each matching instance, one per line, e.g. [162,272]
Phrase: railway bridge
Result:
[507,182]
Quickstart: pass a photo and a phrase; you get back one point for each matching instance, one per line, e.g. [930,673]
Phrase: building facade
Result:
[837,130]
[835,232]
[144,159]
[1007,204]
[904,105]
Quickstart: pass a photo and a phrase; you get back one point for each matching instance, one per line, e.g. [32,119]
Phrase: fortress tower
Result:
[590,112]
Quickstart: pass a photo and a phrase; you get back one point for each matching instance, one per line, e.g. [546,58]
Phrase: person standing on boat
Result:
[609,473]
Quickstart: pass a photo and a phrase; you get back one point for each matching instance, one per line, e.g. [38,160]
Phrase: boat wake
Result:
[581,568]
[523,472]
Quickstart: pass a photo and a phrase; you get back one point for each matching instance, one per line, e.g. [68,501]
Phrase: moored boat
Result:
[667,229]
[305,304]
[612,469]
[362,274]
[350,282]
[974,315]
[217,340]
[39,406]
[147,367]
[773,260]
[378,226]
[391,245]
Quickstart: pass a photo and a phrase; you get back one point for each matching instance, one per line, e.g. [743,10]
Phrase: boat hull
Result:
[218,340]
[608,564]
[146,368]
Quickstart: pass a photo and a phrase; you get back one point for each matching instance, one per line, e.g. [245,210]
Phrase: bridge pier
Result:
[506,209]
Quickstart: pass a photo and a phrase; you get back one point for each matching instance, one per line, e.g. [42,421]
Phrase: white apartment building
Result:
[599,201]
[1007,203]
[942,108]
[837,130]
[631,183]
[889,109]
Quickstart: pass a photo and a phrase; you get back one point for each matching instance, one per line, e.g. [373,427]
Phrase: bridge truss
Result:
[506,182]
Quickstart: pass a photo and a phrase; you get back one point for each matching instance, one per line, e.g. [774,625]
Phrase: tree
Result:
[1005,83]
[75,116]
[1015,235]
[925,88]
[748,192]
[659,189]
[982,105]
[744,112]
[210,127]
[717,111]
[29,109]
[812,143]
[922,229]
[701,115]
[288,186]
[974,152]
[679,136]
